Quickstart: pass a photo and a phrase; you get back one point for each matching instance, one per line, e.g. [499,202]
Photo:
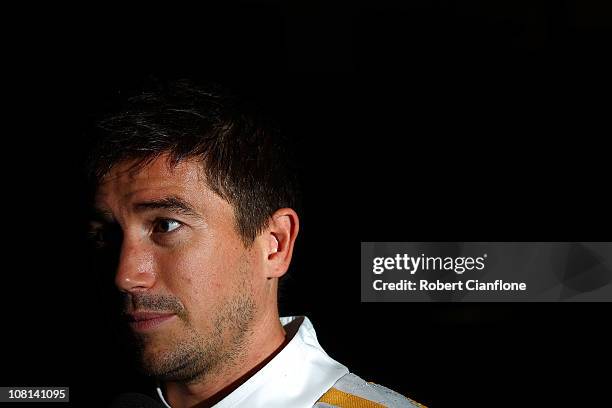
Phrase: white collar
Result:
[296,377]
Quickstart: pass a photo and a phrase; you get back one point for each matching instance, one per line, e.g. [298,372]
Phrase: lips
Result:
[142,321]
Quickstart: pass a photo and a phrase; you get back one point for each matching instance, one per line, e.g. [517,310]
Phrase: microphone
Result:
[135,400]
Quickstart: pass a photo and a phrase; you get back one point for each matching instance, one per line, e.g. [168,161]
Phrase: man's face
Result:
[188,279]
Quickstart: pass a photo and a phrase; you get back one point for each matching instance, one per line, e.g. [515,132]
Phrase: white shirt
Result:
[296,377]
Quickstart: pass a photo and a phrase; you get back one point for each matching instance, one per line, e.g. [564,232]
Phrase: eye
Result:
[166,225]
[104,236]
[97,238]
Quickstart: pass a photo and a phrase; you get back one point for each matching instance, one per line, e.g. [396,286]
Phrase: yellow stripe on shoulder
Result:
[419,405]
[342,399]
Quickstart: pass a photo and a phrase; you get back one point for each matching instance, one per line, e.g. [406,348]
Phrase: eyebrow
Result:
[101,215]
[171,203]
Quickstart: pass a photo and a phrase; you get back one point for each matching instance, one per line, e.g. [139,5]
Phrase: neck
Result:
[267,340]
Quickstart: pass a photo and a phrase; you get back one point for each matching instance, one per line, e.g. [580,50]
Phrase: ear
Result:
[278,240]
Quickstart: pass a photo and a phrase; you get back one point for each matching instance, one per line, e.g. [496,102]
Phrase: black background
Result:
[415,121]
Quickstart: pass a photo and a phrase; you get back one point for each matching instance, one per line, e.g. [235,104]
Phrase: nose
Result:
[135,270]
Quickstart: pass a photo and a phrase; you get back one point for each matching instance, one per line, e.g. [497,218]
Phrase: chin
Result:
[152,355]
[154,364]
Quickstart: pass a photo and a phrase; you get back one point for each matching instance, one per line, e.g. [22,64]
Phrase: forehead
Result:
[126,183]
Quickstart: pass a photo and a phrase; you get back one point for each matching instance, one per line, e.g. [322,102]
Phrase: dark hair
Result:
[246,160]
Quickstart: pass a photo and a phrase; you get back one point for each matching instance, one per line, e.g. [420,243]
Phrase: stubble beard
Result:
[194,357]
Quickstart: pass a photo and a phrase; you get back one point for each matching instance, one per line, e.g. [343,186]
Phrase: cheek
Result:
[187,272]
[200,275]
